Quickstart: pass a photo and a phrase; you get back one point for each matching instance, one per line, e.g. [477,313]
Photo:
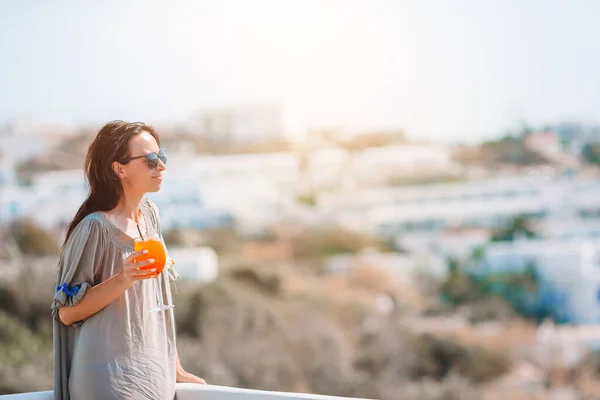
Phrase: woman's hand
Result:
[186,377]
[132,271]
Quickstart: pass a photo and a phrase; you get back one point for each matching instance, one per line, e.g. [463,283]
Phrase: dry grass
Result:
[277,327]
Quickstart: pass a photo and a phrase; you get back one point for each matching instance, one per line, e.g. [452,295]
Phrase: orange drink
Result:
[155,249]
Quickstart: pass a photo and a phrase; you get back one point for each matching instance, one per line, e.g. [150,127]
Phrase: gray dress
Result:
[124,351]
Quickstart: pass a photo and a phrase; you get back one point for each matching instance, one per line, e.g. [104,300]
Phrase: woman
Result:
[107,344]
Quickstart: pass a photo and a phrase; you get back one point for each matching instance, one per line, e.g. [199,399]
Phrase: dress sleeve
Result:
[78,262]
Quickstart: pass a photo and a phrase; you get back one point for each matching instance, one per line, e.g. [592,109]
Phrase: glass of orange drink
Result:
[156,250]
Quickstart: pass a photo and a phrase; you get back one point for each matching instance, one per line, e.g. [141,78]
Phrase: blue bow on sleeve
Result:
[69,290]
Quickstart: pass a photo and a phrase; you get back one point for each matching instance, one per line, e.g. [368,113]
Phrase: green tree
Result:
[459,287]
[510,150]
[591,153]
[519,226]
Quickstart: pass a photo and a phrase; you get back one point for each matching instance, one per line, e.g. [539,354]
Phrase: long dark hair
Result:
[110,144]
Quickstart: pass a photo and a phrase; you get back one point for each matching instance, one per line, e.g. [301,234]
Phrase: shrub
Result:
[26,357]
[31,302]
[32,239]
[437,357]
[326,242]
[173,237]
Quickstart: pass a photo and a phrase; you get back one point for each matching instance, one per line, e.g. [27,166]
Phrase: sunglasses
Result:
[151,158]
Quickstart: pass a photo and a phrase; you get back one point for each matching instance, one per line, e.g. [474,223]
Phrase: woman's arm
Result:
[101,295]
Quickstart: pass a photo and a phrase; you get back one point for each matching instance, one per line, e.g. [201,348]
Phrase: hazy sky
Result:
[441,70]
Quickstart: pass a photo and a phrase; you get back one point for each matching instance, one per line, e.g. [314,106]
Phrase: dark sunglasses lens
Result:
[163,156]
[152,160]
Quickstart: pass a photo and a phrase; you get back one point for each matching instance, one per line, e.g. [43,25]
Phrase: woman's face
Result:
[136,175]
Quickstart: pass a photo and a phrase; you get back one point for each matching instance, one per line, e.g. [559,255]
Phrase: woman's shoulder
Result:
[150,212]
[93,222]
[149,206]
[93,218]
[91,227]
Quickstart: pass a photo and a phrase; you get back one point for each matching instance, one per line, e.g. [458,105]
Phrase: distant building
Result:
[18,143]
[197,263]
[570,130]
[458,244]
[487,204]
[52,198]
[568,274]
[245,190]
[570,229]
[428,264]
[594,133]
[253,123]
[376,166]
[7,170]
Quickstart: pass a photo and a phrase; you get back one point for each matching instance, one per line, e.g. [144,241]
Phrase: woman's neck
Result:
[128,207]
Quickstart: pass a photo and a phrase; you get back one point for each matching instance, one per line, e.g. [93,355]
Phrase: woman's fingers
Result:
[141,263]
[148,275]
[134,255]
[137,271]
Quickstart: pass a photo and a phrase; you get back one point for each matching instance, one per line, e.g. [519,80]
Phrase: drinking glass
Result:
[156,250]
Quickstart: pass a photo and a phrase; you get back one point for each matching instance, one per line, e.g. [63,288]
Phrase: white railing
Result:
[190,391]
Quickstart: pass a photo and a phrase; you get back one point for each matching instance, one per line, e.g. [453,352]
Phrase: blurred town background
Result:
[391,200]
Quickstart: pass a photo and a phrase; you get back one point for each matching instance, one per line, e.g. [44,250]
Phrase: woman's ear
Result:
[118,169]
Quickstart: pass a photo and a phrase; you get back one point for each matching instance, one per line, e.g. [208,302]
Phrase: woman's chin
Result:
[154,188]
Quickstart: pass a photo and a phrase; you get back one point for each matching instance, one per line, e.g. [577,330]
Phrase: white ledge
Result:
[190,391]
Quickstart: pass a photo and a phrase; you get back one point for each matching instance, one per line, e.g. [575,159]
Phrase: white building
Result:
[251,190]
[423,263]
[199,191]
[327,168]
[459,244]
[570,229]
[52,198]
[7,170]
[376,166]
[569,270]
[19,142]
[475,204]
[279,168]
[198,263]
[379,164]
